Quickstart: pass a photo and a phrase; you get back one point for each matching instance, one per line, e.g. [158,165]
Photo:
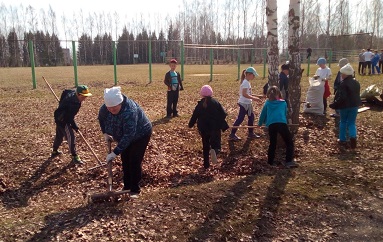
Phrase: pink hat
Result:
[206,91]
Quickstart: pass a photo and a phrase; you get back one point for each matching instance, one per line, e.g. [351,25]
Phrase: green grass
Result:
[335,195]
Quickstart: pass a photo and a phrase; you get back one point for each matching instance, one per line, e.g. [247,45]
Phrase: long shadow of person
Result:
[72,219]
[160,121]
[14,198]
[266,219]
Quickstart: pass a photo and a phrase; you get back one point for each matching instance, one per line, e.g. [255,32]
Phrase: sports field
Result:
[335,195]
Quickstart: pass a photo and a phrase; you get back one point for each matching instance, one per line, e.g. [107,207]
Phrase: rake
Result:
[109,195]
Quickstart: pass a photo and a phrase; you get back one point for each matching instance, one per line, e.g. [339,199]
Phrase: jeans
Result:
[241,117]
[172,100]
[283,130]
[347,122]
[369,66]
[361,67]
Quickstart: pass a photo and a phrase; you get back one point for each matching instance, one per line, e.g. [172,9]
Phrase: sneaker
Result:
[341,142]
[234,137]
[353,143]
[56,153]
[335,115]
[76,159]
[134,195]
[213,156]
[253,136]
[291,164]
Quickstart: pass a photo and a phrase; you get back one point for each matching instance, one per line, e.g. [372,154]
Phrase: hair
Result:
[205,99]
[243,75]
[273,93]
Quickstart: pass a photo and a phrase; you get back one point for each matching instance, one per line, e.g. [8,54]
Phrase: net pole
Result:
[150,61]
[75,63]
[182,59]
[211,64]
[32,58]
[308,66]
[238,63]
[115,62]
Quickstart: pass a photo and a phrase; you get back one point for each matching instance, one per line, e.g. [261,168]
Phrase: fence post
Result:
[238,64]
[150,61]
[114,62]
[308,66]
[182,59]
[330,58]
[211,64]
[252,57]
[75,63]
[32,58]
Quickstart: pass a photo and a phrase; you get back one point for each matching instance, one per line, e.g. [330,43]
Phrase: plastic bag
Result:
[370,91]
[314,98]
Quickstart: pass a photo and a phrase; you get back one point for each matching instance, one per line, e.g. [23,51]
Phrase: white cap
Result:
[113,96]
[347,70]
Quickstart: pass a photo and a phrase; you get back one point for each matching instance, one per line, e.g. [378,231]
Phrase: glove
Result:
[110,157]
[108,137]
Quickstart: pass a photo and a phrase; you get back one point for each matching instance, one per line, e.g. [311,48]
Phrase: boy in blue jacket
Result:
[273,114]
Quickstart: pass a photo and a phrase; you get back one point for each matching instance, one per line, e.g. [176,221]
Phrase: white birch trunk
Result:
[272,41]
[295,74]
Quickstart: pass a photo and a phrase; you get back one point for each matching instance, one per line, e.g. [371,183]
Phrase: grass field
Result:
[335,195]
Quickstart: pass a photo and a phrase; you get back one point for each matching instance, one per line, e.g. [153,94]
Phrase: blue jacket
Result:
[273,112]
[375,59]
[129,125]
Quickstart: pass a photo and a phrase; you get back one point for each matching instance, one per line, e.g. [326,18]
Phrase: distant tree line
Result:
[323,24]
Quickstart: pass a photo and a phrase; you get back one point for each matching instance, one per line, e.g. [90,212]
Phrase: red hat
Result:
[173,61]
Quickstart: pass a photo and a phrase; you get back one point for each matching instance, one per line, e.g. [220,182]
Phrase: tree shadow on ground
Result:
[73,219]
[222,209]
[231,159]
[14,198]
[265,225]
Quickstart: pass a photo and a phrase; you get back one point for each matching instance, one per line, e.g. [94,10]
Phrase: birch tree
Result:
[272,41]
[295,62]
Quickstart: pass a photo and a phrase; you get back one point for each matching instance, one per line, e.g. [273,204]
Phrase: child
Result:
[245,105]
[174,83]
[284,82]
[210,117]
[337,81]
[324,73]
[64,119]
[273,114]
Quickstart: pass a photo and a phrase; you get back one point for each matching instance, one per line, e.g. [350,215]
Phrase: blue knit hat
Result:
[321,61]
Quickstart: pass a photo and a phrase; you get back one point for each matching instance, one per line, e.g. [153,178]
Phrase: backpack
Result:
[65,94]
[59,112]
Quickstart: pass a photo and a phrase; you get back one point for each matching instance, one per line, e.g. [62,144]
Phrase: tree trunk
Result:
[272,41]
[295,74]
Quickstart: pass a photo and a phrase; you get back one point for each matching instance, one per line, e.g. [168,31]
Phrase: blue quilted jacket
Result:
[129,125]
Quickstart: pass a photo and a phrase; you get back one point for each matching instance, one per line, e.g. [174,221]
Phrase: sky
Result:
[154,9]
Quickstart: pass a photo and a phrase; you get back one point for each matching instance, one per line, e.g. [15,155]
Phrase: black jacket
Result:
[168,80]
[347,95]
[67,110]
[210,118]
